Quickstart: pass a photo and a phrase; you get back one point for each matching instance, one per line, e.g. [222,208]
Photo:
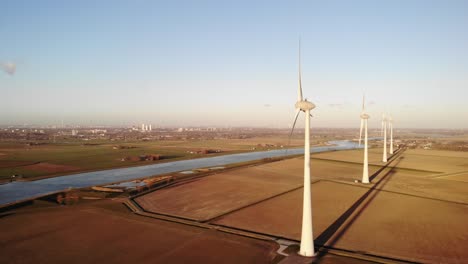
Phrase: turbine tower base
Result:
[306,255]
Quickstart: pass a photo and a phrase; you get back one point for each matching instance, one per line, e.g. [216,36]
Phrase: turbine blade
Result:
[360,131]
[299,91]
[292,130]
[381,128]
[298,111]
[363,102]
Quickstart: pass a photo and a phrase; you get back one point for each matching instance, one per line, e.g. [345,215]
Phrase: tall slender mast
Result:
[391,135]
[384,159]
[365,164]
[307,237]
[365,169]
[307,241]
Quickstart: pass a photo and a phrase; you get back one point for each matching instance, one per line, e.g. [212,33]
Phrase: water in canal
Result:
[17,191]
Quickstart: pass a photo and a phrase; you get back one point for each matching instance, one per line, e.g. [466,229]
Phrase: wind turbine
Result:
[390,122]
[362,120]
[384,130]
[364,117]
[302,105]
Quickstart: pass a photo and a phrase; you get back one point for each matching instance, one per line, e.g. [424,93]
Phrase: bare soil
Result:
[51,168]
[282,215]
[96,234]
[407,212]
[13,163]
[415,209]
[407,227]
[458,177]
[214,195]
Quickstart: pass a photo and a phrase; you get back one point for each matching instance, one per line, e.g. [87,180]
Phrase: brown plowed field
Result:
[458,177]
[84,234]
[211,196]
[50,168]
[407,227]
[282,216]
[406,213]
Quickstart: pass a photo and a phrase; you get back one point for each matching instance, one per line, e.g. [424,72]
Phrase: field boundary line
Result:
[395,192]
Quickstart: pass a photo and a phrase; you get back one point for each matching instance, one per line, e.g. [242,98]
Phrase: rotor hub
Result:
[365,116]
[305,105]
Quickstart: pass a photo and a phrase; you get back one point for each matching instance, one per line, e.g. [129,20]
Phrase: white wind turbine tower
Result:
[364,117]
[390,123]
[307,238]
[384,130]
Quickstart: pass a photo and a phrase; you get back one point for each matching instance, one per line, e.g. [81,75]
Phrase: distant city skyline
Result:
[184,63]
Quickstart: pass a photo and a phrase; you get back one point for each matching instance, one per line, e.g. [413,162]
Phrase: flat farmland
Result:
[433,161]
[352,156]
[211,196]
[406,227]
[459,177]
[20,158]
[373,221]
[38,161]
[436,188]
[96,234]
[407,212]
[282,215]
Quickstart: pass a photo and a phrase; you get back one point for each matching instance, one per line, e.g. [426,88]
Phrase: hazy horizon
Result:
[233,64]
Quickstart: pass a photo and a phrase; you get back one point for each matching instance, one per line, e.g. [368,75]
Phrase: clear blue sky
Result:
[178,63]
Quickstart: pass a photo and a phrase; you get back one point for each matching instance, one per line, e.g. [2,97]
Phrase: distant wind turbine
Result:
[362,120]
[384,130]
[364,117]
[390,122]
[302,105]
